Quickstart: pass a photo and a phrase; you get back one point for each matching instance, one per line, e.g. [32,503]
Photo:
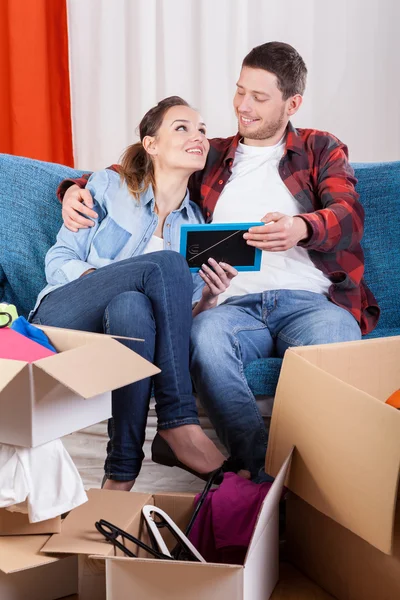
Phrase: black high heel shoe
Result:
[162,453]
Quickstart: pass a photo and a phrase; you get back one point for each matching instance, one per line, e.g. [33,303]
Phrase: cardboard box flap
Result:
[146,578]
[179,507]
[78,533]
[97,367]
[18,553]
[66,339]
[261,566]
[368,365]
[347,458]
[268,509]
[8,370]
[16,523]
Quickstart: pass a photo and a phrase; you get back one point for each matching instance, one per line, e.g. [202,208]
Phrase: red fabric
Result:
[35,111]
[317,173]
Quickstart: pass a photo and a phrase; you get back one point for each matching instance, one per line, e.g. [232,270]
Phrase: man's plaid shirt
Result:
[317,173]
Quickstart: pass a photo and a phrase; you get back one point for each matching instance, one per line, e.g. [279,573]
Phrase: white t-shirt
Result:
[254,189]
[41,481]
[155,244]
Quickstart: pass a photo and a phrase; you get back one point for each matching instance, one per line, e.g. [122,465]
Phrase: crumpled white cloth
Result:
[44,477]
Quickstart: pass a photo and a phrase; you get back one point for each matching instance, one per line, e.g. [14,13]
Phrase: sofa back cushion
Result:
[379,189]
[30,217]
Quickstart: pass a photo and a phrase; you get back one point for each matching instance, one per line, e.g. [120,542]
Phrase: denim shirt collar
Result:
[147,197]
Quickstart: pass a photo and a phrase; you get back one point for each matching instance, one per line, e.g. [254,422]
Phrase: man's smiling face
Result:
[259,106]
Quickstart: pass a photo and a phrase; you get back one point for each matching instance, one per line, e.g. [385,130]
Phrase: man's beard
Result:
[268,131]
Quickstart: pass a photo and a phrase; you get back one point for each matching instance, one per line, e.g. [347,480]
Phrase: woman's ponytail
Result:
[137,169]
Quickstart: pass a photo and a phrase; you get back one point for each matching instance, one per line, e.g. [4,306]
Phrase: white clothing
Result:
[44,476]
[254,189]
[155,244]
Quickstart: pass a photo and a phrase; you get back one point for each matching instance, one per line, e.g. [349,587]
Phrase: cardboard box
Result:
[80,537]
[63,393]
[145,578]
[338,560]
[26,574]
[292,586]
[330,404]
[14,523]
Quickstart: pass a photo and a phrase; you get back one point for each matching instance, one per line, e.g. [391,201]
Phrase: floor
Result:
[88,447]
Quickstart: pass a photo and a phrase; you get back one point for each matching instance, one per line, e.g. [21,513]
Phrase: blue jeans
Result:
[148,297]
[244,328]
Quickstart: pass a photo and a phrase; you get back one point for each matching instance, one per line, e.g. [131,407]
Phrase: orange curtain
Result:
[35,108]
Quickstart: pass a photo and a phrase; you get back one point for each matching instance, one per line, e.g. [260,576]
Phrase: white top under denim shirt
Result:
[123,229]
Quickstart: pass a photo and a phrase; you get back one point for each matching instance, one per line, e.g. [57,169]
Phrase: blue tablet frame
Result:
[256,266]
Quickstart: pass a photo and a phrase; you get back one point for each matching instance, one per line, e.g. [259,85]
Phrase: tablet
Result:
[221,241]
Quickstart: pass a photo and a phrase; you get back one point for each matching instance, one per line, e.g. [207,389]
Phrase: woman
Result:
[118,277]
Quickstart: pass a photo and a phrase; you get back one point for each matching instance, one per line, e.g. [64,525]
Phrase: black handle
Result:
[6,314]
[112,532]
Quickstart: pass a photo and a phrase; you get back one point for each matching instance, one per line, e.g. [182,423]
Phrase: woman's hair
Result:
[136,164]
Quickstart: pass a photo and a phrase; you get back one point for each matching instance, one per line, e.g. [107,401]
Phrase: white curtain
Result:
[125,55]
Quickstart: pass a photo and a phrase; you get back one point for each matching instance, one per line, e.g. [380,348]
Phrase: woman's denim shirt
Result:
[123,229]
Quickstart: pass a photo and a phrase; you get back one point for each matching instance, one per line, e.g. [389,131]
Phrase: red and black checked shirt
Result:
[317,173]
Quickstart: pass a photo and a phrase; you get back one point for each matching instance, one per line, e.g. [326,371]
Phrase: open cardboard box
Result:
[63,393]
[292,586]
[80,537]
[26,574]
[15,523]
[342,527]
[145,578]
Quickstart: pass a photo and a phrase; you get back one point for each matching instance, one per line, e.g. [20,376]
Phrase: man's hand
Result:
[87,272]
[77,200]
[217,281]
[279,233]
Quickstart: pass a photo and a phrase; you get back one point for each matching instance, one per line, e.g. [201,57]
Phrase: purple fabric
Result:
[223,528]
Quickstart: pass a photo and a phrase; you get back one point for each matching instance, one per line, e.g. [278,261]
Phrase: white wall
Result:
[126,55]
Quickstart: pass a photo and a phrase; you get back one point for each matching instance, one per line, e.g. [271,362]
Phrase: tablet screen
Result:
[223,243]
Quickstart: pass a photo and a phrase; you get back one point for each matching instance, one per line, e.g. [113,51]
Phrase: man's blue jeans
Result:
[245,328]
[148,297]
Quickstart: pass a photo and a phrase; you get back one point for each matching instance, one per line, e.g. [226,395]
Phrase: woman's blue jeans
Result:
[148,297]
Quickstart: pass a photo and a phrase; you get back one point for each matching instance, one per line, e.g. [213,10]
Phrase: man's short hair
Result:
[283,61]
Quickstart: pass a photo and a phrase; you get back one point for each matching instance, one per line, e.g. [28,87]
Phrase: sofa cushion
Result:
[379,189]
[262,376]
[31,217]
[30,220]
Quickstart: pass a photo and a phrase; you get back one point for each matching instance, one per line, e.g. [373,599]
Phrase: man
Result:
[310,289]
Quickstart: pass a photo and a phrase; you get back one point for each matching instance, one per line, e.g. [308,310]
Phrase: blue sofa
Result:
[30,218]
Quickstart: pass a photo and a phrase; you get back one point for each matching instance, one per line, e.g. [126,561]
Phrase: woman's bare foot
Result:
[121,486]
[193,448]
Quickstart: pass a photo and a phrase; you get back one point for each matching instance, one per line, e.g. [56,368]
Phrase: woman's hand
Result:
[217,280]
[77,200]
